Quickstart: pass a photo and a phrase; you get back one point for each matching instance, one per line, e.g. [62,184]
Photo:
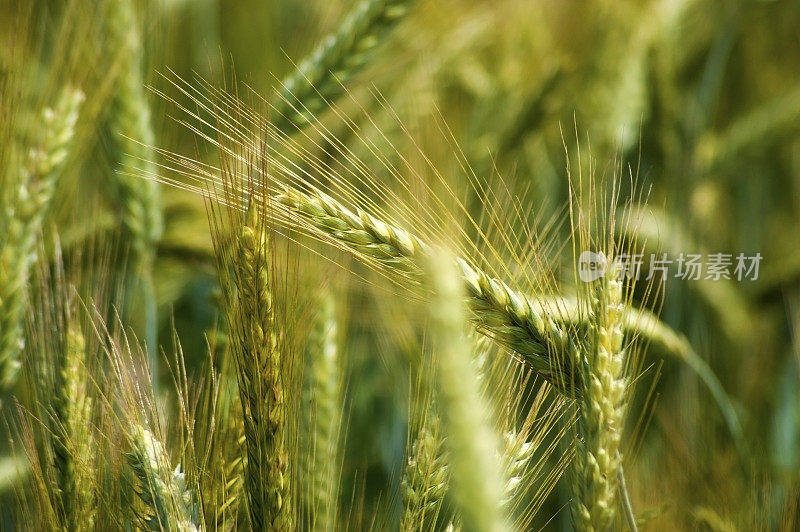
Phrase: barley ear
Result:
[602,409]
[169,504]
[21,221]
[132,129]
[323,399]
[319,78]
[498,311]
[73,441]
[131,126]
[472,444]
[426,478]
[261,388]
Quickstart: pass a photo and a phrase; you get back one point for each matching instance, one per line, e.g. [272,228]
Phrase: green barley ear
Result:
[472,444]
[220,434]
[59,399]
[251,321]
[323,399]
[426,478]
[21,221]
[510,317]
[73,442]
[319,78]
[162,490]
[131,127]
[602,411]
[516,458]
[140,487]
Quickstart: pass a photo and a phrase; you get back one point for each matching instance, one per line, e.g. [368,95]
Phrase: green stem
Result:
[627,509]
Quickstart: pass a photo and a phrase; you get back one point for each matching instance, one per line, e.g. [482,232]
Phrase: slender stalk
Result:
[131,125]
[323,398]
[627,509]
[473,445]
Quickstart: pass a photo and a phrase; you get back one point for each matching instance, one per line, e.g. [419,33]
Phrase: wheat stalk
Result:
[472,444]
[319,79]
[323,397]
[22,221]
[131,125]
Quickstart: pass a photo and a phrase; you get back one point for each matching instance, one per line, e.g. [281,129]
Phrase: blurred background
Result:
[699,100]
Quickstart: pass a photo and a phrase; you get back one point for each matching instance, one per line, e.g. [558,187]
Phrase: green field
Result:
[395,264]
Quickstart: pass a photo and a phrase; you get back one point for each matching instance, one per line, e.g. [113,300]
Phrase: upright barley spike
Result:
[318,79]
[255,343]
[72,441]
[322,395]
[61,414]
[21,221]
[132,129]
[472,444]
[426,478]
[602,409]
[130,122]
